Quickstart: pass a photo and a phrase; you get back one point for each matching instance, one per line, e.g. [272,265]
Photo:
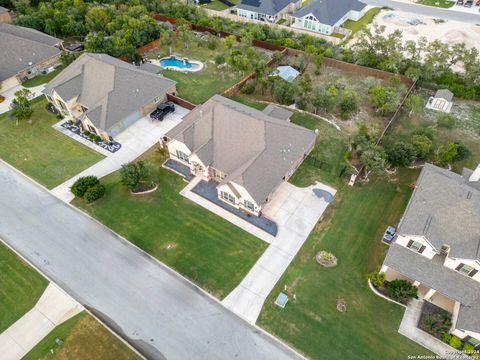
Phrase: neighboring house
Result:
[24,52]
[246,151]
[287,73]
[106,94]
[442,101]
[323,16]
[5,16]
[437,246]
[267,10]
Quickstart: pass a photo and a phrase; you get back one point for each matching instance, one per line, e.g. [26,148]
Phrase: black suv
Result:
[162,110]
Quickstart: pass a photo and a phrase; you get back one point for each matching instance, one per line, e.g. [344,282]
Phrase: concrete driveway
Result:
[156,310]
[135,140]
[296,212]
[10,95]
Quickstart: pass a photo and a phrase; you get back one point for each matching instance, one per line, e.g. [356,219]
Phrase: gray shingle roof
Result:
[278,112]
[111,89]
[433,274]
[444,94]
[329,12]
[445,208]
[254,149]
[267,7]
[22,47]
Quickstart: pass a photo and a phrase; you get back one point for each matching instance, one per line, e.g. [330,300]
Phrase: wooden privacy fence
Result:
[181,102]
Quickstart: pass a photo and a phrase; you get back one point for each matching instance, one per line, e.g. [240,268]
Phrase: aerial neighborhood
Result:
[239,179]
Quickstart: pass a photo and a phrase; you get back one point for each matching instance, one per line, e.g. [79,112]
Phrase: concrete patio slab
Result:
[135,140]
[296,212]
[53,308]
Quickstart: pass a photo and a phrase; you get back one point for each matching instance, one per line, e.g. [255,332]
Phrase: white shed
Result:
[442,101]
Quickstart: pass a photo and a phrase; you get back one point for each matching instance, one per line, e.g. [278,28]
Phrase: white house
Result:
[267,10]
[437,246]
[247,152]
[442,101]
[323,16]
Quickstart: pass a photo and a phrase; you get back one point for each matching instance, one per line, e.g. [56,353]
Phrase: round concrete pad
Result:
[323,194]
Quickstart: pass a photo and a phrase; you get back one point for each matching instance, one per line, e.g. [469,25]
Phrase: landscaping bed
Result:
[200,245]
[111,146]
[40,151]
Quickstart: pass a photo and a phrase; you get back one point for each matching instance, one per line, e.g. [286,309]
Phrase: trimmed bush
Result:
[83,184]
[402,291]
[249,87]
[94,192]
[468,349]
[377,279]
[446,337]
[455,342]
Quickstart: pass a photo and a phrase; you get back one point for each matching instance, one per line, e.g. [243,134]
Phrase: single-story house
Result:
[437,246]
[247,152]
[267,10]
[5,16]
[24,53]
[323,16]
[442,101]
[286,72]
[106,94]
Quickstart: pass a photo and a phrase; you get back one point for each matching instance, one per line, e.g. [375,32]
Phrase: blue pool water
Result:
[179,63]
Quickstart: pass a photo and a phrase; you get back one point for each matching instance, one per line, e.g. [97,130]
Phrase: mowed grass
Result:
[202,246]
[20,287]
[40,151]
[437,3]
[351,230]
[42,79]
[366,19]
[83,338]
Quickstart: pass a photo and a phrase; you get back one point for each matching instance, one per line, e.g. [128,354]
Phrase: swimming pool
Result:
[174,63]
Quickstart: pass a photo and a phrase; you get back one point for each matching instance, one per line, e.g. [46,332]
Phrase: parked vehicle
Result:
[468,3]
[389,234]
[162,110]
[460,2]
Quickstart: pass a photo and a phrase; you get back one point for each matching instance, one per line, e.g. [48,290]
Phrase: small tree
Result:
[384,99]
[21,106]
[402,154]
[283,92]
[413,103]
[402,291]
[349,103]
[136,172]
[423,146]
[323,99]
[446,154]
[374,159]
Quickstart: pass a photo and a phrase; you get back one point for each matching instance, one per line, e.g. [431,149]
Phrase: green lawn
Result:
[40,151]
[356,26]
[20,287]
[83,338]
[216,5]
[351,230]
[197,243]
[437,3]
[42,79]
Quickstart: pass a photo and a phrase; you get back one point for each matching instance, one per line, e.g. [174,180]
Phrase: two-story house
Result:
[106,94]
[323,16]
[247,152]
[267,10]
[437,246]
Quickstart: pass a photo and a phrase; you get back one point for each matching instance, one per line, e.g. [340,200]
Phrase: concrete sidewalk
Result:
[135,140]
[408,327]
[53,308]
[296,212]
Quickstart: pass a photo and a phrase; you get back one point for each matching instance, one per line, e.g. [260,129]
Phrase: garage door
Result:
[125,123]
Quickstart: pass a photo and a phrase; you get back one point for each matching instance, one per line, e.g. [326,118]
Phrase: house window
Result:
[416,246]
[248,205]
[182,156]
[226,196]
[466,269]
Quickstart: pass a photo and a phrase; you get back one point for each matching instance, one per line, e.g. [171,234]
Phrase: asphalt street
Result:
[435,12]
[152,307]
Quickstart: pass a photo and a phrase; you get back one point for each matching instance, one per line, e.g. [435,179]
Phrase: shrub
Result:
[425,131]
[402,154]
[462,150]
[446,121]
[455,342]
[83,184]
[249,87]
[423,146]
[401,290]
[377,279]
[86,133]
[349,104]
[468,349]
[446,337]
[135,172]
[97,138]
[94,192]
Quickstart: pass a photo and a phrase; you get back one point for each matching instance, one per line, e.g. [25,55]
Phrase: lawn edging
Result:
[370,285]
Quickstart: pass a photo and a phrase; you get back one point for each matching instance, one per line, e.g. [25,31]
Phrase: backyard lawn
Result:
[20,287]
[83,338]
[351,230]
[197,243]
[437,3]
[40,151]
[42,79]
[356,26]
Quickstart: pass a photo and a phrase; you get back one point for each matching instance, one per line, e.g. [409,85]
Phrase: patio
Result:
[208,190]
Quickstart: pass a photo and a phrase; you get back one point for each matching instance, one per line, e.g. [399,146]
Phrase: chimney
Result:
[475,177]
